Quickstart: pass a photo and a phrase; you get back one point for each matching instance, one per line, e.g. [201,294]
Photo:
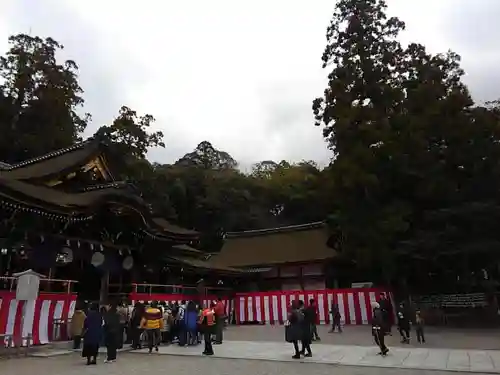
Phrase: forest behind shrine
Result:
[411,194]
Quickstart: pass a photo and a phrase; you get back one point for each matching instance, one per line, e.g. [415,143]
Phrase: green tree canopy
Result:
[416,163]
[40,99]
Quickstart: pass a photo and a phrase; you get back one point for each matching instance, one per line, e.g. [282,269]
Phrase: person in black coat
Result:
[135,325]
[92,333]
[378,331]
[403,324]
[112,330]
[336,318]
[385,308]
[293,328]
[306,330]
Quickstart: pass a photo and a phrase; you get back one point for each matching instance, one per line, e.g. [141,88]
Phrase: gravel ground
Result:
[132,364]
[361,335]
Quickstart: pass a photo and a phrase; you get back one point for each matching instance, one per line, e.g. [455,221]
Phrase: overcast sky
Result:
[241,74]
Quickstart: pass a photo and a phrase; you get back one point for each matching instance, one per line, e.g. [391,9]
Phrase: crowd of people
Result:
[301,324]
[405,318]
[187,323]
[151,324]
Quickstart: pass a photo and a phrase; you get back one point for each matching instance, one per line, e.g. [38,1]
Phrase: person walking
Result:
[336,318]
[207,325]
[378,329]
[306,324]
[403,324]
[312,311]
[152,322]
[293,328]
[76,328]
[386,308]
[92,333]
[112,331]
[419,327]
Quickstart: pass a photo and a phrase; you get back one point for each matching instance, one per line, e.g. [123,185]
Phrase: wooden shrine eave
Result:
[165,226]
[187,249]
[57,205]
[204,265]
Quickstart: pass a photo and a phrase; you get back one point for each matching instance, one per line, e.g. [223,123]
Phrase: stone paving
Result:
[361,335]
[463,351]
[66,349]
[486,361]
[133,364]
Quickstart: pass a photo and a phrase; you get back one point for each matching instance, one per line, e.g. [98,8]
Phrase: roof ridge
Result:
[50,155]
[288,228]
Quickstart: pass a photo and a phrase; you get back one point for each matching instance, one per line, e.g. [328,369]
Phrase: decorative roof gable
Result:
[60,162]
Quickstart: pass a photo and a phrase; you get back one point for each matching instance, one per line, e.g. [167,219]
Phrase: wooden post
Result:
[103,297]
[301,278]
[49,283]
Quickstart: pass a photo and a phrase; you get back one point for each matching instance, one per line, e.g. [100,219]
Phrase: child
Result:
[419,327]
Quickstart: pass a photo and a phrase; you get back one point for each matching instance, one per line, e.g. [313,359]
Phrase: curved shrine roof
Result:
[82,205]
[291,244]
[17,193]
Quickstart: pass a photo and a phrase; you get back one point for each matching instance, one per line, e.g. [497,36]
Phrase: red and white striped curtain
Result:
[19,318]
[273,307]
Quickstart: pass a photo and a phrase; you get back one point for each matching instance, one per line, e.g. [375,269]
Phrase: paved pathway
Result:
[485,361]
[132,364]
[361,335]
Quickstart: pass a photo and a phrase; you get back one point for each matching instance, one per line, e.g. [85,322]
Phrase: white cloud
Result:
[241,74]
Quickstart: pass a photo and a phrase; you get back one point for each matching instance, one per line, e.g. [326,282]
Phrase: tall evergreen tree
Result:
[364,92]
[39,99]
[412,153]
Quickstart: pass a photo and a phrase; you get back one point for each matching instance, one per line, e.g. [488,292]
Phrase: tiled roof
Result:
[293,244]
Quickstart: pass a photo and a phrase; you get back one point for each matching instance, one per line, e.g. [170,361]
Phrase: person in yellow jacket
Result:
[76,327]
[207,324]
[152,322]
